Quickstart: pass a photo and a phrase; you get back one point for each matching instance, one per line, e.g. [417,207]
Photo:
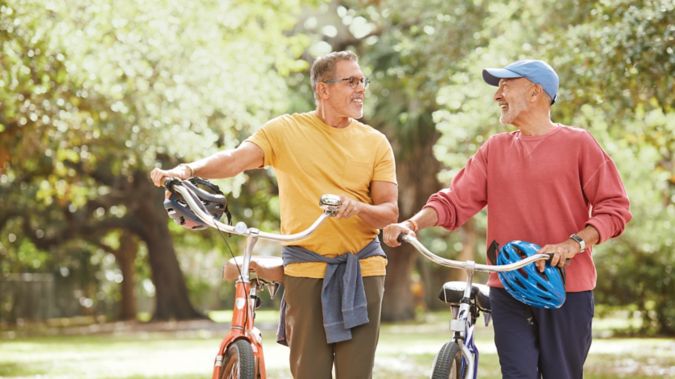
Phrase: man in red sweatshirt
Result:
[546,183]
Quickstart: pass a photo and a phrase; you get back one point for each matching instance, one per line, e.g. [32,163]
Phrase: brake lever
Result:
[568,261]
[272,288]
[170,182]
[402,238]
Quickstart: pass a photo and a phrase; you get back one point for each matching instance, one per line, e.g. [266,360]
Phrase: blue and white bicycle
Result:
[458,358]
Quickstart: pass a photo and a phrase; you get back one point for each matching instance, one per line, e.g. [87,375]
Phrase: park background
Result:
[94,94]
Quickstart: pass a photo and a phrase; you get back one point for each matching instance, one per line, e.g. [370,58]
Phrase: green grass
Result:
[406,350]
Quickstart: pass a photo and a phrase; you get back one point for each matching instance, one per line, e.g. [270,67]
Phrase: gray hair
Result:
[323,68]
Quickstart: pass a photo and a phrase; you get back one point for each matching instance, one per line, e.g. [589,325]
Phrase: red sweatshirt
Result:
[539,189]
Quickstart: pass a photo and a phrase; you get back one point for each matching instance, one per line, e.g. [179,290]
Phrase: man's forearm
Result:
[380,215]
[226,164]
[590,235]
[218,165]
[425,218]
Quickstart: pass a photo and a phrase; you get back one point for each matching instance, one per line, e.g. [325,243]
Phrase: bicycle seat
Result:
[270,269]
[452,293]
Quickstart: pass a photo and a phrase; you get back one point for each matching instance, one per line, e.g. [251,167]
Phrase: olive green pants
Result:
[311,357]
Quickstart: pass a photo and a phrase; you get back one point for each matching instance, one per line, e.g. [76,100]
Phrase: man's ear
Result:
[322,90]
[535,91]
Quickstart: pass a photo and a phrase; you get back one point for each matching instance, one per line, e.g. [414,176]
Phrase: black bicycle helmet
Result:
[207,195]
[528,285]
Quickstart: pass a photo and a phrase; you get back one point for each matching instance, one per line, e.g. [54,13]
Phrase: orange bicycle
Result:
[197,204]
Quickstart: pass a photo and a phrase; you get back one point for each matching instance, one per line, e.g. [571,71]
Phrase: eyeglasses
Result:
[353,81]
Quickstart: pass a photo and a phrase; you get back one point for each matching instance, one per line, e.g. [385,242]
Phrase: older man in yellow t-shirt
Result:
[324,151]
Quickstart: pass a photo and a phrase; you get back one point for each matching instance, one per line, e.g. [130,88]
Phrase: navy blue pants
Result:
[535,343]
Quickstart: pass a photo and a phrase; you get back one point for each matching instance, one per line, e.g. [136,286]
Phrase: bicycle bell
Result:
[330,204]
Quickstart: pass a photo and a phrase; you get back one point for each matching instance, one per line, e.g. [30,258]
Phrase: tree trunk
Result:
[469,238]
[435,276]
[399,302]
[126,259]
[171,295]
[416,182]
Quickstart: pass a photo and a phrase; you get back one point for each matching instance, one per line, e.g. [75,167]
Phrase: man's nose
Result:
[498,94]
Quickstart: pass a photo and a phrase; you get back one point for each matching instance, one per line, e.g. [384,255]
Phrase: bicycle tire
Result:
[238,362]
[448,362]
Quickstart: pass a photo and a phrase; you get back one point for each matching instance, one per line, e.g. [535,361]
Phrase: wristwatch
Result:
[189,168]
[580,241]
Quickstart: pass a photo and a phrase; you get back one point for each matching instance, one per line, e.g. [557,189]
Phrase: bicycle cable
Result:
[221,233]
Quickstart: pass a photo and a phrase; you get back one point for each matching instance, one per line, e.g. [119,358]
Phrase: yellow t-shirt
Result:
[311,158]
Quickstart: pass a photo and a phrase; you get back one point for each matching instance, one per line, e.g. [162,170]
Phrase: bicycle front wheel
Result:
[239,362]
[448,362]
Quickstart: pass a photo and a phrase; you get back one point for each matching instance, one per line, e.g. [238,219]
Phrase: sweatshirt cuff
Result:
[603,232]
[440,214]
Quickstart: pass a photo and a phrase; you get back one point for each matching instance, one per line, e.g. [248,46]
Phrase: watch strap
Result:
[580,241]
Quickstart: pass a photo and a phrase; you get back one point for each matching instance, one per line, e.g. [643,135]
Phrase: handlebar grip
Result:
[169,182]
[550,257]
[403,237]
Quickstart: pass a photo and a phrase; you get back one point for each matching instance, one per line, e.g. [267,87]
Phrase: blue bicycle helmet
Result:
[207,195]
[528,285]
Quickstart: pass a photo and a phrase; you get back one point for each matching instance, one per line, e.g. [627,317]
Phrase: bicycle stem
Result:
[458,324]
[248,253]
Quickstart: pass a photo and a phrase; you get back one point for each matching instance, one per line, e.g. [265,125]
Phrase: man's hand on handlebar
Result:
[391,233]
[561,254]
[349,207]
[182,171]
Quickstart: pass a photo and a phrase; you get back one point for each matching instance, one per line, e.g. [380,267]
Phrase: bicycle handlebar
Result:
[467,265]
[329,203]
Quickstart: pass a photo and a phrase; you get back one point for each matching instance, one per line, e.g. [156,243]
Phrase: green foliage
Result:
[154,80]
[413,55]
[95,94]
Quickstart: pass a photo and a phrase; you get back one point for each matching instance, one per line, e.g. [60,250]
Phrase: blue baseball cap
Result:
[536,71]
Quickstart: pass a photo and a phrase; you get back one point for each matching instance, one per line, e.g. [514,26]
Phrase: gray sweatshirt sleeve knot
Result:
[343,297]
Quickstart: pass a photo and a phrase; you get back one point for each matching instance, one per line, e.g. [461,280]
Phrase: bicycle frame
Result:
[461,325]
[243,317]
[243,313]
